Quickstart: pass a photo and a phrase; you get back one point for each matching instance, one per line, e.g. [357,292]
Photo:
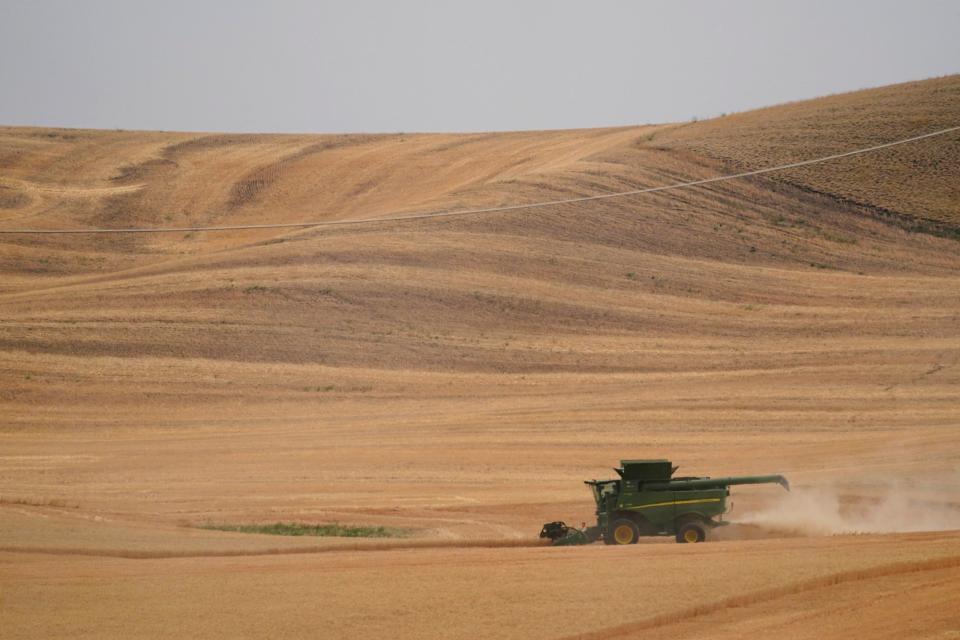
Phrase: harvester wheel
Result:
[691,532]
[624,531]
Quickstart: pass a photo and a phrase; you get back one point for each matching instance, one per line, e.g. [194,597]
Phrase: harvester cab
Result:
[647,500]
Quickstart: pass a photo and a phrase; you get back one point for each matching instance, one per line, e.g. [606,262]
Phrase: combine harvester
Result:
[646,500]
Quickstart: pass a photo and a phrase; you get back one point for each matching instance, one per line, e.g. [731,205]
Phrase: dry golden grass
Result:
[460,377]
[916,182]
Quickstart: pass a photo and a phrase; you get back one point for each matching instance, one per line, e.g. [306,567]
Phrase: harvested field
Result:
[456,379]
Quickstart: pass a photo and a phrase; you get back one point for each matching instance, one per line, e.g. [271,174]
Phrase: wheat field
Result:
[458,378]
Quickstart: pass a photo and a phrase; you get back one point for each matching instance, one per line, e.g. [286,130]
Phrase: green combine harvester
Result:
[646,500]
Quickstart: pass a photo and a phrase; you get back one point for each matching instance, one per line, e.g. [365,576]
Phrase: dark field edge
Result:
[381,546]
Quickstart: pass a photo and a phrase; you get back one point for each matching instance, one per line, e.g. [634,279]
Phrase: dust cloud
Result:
[882,508]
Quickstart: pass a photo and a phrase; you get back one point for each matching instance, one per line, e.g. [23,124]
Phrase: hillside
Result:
[459,377]
[916,184]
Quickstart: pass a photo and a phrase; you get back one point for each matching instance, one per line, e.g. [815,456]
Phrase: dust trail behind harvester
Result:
[890,508]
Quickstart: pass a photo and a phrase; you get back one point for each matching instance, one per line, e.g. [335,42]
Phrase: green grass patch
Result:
[324,530]
[836,237]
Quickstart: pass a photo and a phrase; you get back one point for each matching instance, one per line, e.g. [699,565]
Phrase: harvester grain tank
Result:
[647,500]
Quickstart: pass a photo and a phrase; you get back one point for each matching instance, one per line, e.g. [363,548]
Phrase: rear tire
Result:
[691,532]
[623,531]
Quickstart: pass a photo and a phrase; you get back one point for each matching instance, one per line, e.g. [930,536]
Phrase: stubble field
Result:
[458,378]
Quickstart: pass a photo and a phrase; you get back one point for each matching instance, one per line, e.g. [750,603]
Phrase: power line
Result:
[467,212]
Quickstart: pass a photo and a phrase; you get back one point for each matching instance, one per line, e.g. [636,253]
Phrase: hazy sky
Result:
[447,65]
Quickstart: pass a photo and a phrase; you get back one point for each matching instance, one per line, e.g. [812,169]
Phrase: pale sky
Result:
[368,66]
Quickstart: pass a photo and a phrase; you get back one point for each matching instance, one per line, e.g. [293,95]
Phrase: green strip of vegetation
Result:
[298,529]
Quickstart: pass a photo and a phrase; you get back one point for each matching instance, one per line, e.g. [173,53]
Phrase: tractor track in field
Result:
[132,554]
[767,595]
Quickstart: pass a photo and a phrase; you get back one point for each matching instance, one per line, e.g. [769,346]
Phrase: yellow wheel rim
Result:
[623,534]
[691,535]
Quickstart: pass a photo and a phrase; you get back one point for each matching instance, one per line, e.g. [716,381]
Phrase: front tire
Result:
[623,531]
[691,532]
